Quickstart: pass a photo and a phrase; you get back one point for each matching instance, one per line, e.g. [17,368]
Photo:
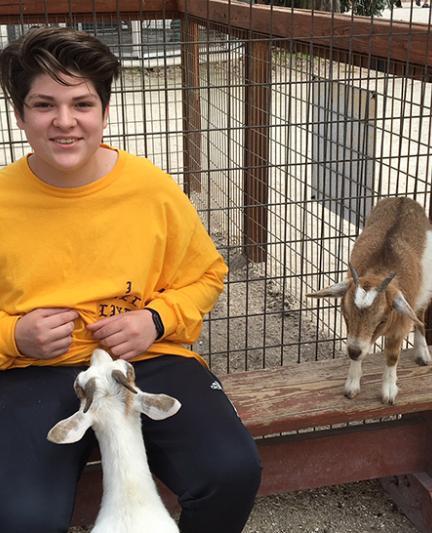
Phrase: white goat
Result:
[388,289]
[112,404]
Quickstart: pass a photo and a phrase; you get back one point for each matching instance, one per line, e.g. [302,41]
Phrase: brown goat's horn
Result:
[118,376]
[355,275]
[386,281]
[89,390]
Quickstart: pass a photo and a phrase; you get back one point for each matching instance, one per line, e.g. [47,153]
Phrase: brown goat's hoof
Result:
[389,401]
[422,362]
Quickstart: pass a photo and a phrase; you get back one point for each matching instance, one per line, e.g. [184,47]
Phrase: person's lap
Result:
[203,453]
[38,478]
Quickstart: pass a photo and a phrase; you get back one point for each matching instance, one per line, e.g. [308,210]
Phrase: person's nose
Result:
[64,118]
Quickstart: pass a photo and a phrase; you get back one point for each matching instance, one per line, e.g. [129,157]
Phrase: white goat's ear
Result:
[157,406]
[334,291]
[403,307]
[70,429]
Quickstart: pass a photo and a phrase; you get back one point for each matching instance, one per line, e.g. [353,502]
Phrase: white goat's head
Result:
[370,306]
[101,388]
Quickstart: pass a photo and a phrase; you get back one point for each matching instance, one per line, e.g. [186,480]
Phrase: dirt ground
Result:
[356,507]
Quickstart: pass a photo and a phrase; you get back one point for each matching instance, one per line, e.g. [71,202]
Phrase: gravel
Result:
[355,507]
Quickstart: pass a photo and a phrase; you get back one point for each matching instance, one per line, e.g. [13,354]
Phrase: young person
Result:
[101,248]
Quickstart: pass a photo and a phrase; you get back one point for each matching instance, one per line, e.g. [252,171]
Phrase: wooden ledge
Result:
[306,395]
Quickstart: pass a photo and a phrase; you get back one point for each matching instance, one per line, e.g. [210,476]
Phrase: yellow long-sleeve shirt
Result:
[129,240]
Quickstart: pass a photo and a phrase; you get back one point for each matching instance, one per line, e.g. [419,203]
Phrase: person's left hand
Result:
[125,335]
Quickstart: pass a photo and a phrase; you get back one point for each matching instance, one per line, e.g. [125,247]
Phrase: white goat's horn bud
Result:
[79,391]
[118,376]
[386,281]
[89,390]
[354,274]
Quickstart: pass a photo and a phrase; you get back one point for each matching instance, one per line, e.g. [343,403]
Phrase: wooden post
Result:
[191,105]
[412,493]
[256,148]
[428,314]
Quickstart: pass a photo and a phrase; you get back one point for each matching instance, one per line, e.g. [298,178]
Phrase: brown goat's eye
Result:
[379,326]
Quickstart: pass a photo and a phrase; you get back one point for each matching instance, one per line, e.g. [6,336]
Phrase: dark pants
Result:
[203,453]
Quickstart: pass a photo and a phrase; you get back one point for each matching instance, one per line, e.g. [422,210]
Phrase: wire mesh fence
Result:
[284,127]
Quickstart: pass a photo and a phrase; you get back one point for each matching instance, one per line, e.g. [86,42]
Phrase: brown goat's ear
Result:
[334,291]
[403,307]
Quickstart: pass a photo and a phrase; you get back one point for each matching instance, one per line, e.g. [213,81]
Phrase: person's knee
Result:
[229,477]
[223,497]
[239,478]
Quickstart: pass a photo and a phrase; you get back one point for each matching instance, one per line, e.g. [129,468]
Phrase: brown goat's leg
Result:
[352,383]
[421,350]
[389,382]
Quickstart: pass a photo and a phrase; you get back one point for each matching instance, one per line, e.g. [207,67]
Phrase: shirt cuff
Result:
[7,336]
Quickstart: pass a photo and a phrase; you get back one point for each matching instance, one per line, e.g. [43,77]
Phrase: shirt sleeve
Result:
[8,346]
[196,273]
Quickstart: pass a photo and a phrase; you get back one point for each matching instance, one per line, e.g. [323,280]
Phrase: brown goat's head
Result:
[371,306]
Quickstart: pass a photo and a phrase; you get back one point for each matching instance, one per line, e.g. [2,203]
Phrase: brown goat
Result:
[388,289]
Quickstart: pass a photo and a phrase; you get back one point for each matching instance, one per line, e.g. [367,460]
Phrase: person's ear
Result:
[19,119]
[105,116]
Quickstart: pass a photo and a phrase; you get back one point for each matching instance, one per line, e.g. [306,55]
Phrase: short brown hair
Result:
[56,52]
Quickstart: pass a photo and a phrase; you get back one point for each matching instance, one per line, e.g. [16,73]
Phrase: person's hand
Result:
[125,335]
[45,333]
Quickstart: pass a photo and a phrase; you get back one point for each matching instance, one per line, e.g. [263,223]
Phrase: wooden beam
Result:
[378,38]
[337,456]
[15,11]
[399,41]
[256,148]
[428,314]
[191,101]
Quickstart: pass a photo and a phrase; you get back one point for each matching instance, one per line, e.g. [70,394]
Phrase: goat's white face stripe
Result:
[364,299]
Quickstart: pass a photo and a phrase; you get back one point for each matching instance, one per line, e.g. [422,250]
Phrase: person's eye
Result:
[84,105]
[42,105]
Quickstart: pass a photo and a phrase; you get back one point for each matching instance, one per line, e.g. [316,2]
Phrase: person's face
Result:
[64,126]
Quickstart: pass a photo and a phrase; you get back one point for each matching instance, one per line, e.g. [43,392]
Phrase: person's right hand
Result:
[45,333]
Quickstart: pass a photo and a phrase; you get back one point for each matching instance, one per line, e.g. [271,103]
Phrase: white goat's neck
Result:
[127,481]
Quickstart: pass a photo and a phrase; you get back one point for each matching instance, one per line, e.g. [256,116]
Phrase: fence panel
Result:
[284,127]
